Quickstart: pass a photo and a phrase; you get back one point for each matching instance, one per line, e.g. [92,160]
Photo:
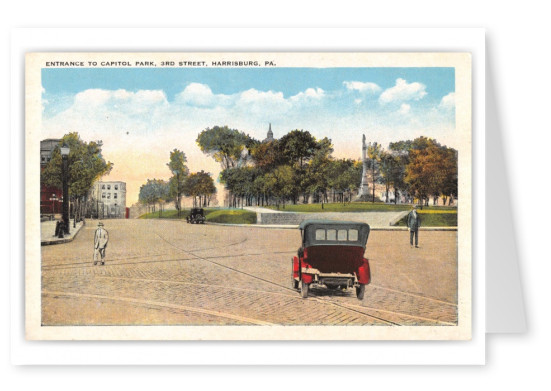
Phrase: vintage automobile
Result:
[332,255]
[196,216]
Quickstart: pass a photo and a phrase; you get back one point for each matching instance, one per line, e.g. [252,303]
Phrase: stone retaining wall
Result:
[374,219]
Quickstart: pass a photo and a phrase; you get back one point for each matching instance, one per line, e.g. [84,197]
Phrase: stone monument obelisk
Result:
[364,191]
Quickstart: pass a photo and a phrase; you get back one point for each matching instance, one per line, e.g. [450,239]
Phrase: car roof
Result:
[336,223]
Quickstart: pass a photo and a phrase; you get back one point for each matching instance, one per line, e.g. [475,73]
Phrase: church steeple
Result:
[270,135]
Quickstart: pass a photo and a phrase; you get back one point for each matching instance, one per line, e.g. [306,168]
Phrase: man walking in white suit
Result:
[101,237]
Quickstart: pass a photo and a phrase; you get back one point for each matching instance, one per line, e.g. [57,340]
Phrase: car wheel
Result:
[360,291]
[304,289]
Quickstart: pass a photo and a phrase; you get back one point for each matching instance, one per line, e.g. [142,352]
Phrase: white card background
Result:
[517,50]
[397,352]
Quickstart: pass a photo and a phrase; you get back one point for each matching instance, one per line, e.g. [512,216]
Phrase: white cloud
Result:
[255,101]
[447,102]
[93,97]
[364,87]
[403,91]
[404,109]
[200,95]
[308,95]
[120,99]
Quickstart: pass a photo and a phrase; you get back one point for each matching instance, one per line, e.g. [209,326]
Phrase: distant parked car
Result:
[196,216]
[332,255]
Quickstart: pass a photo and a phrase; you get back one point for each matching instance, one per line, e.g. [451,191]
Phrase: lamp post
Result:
[65,172]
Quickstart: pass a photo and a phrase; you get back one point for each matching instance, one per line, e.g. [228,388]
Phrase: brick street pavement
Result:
[170,272]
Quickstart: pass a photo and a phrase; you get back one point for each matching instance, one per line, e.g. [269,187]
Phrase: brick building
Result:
[50,197]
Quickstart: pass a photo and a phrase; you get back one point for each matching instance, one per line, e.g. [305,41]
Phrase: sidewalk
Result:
[47,231]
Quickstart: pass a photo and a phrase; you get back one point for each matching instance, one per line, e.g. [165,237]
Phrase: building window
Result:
[103,187]
[108,195]
[116,187]
[103,195]
[115,195]
[108,187]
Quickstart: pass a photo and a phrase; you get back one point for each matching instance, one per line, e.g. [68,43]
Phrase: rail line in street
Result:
[356,309]
[378,315]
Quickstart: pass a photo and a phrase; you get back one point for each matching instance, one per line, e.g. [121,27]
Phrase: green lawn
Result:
[227,216]
[433,219]
[231,216]
[358,207]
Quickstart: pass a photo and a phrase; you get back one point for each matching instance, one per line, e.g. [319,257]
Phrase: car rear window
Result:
[320,234]
[331,234]
[341,235]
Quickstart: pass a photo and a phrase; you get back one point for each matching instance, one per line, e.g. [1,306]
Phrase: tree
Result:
[86,166]
[392,171]
[225,145]
[282,182]
[267,156]
[297,147]
[199,185]
[450,181]
[179,170]
[432,169]
[344,176]
[154,191]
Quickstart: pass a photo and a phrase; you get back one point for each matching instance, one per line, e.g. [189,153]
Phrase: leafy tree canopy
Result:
[225,145]
[86,166]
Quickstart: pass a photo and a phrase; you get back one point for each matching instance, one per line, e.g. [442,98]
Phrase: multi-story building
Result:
[108,199]
[50,197]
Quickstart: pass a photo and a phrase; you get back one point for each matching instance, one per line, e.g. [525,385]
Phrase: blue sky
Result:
[142,113]
[290,81]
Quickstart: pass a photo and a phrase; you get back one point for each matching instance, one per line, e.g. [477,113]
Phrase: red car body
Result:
[332,255]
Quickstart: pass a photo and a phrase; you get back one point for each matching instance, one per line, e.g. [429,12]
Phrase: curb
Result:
[296,227]
[61,241]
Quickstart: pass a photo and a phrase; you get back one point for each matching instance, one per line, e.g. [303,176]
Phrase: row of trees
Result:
[198,185]
[86,165]
[299,167]
[419,168]
[296,166]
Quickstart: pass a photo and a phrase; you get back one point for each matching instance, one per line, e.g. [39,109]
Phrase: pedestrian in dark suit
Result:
[414,222]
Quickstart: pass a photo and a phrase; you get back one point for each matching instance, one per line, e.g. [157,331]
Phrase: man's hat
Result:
[100,224]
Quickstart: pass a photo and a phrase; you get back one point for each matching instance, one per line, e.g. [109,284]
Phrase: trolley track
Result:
[348,307]
[360,310]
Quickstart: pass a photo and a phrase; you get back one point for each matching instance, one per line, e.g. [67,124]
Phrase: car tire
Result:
[304,289]
[360,291]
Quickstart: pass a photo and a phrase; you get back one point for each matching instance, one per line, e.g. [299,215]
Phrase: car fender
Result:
[295,267]
[364,273]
